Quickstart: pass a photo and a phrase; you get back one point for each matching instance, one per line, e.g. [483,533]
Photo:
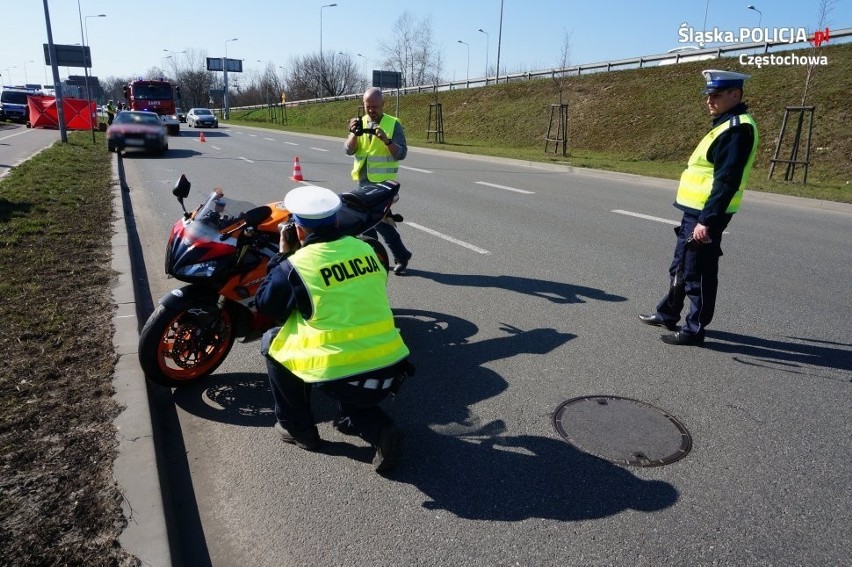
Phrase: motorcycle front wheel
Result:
[181,344]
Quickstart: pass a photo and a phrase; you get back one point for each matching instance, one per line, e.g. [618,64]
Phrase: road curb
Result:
[135,468]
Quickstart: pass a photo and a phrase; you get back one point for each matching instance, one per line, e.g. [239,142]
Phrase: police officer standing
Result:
[338,331]
[110,110]
[709,194]
[377,140]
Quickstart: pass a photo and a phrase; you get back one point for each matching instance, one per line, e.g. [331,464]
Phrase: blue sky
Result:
[134,34]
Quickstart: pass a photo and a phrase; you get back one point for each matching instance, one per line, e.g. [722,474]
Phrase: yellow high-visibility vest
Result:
[696,182]
[381,165]
[351,330]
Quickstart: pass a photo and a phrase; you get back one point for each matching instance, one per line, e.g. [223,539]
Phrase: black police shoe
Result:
[344,425]
[401,266]
[389,450]
[308,440]
[684,339]
[657,321]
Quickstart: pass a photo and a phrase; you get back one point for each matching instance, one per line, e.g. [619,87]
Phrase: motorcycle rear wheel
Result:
[180,346]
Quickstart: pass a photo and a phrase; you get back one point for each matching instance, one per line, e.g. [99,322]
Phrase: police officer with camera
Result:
[377,141]
[709,194]
[338,332]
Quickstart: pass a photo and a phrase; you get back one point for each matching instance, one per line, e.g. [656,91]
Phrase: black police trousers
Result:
[701,275]
[358,398]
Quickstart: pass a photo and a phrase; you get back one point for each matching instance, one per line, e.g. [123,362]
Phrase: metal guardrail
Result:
[605,66]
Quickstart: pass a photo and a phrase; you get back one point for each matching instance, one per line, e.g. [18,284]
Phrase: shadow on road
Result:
[556,292]
[479,470]
[469,468]
[797,355]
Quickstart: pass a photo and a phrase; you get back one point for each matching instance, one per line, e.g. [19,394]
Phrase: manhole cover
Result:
[622,431]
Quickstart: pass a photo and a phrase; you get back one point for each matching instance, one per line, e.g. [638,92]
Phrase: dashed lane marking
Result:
[414,169]
[524,191]
[650,218]
[467,245]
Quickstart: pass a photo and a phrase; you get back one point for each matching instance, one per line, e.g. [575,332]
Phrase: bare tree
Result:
[560,79]
[195,80]
[411,51]
[310,76]
[825,8]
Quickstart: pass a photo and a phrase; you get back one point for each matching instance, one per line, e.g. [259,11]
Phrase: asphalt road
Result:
[19,143]
[523,293]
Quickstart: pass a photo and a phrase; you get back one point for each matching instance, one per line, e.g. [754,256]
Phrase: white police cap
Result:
[721,80]
[312,206]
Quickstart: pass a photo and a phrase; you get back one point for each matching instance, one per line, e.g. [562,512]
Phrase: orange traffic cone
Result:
[297,170]
[201,138]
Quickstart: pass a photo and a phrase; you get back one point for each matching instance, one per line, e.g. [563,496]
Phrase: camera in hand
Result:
[289,232]
[359,130]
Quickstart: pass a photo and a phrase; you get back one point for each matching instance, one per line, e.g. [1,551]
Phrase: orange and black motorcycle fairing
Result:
[223,258]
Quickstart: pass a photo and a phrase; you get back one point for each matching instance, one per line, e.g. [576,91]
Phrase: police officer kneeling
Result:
[338,331]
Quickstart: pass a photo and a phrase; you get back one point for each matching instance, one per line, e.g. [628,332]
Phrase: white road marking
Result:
[270,139]
[414,169]
[246,159]
[291,143]
[448,238]
[650,218]
[320,149]
[506,188]
[646,217]
[27,131]
[216,147]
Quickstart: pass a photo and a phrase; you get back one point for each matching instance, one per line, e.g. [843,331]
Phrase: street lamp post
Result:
[468,58]
[26,80]
[9,74]
[322,61]
[87,25]
[265,85]
[86,64]
[499,41]
[760,14]
[487,41]
[174,59]
[366,76]
[225,109]
[759,19]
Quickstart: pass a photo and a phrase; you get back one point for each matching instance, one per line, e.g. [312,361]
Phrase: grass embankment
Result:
[59,504]
[642,121]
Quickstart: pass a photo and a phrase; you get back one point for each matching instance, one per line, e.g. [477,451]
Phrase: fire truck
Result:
[154,95]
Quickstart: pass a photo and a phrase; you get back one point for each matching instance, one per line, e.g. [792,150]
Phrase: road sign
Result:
[387,79]
[215,64]
[69,55]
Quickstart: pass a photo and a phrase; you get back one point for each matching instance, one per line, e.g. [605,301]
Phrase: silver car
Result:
[201,117]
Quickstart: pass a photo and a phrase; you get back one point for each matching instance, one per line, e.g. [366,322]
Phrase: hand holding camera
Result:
[289,238]
[356,126]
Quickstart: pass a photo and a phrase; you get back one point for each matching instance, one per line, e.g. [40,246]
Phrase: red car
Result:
[137,129]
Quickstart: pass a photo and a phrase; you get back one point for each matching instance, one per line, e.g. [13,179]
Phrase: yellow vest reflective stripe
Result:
[352,330]
[381,165]
[696,182]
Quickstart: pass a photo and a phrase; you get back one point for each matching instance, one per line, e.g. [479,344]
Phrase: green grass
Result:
[58,501]
[642,121]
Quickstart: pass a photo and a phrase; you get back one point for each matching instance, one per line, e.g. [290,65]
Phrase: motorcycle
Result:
[223,258]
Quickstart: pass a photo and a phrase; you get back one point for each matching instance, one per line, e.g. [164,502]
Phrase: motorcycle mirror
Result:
[257,215]
[181,190]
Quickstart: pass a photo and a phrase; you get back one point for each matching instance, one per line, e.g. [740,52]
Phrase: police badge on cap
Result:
[312,206]
[722,80]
